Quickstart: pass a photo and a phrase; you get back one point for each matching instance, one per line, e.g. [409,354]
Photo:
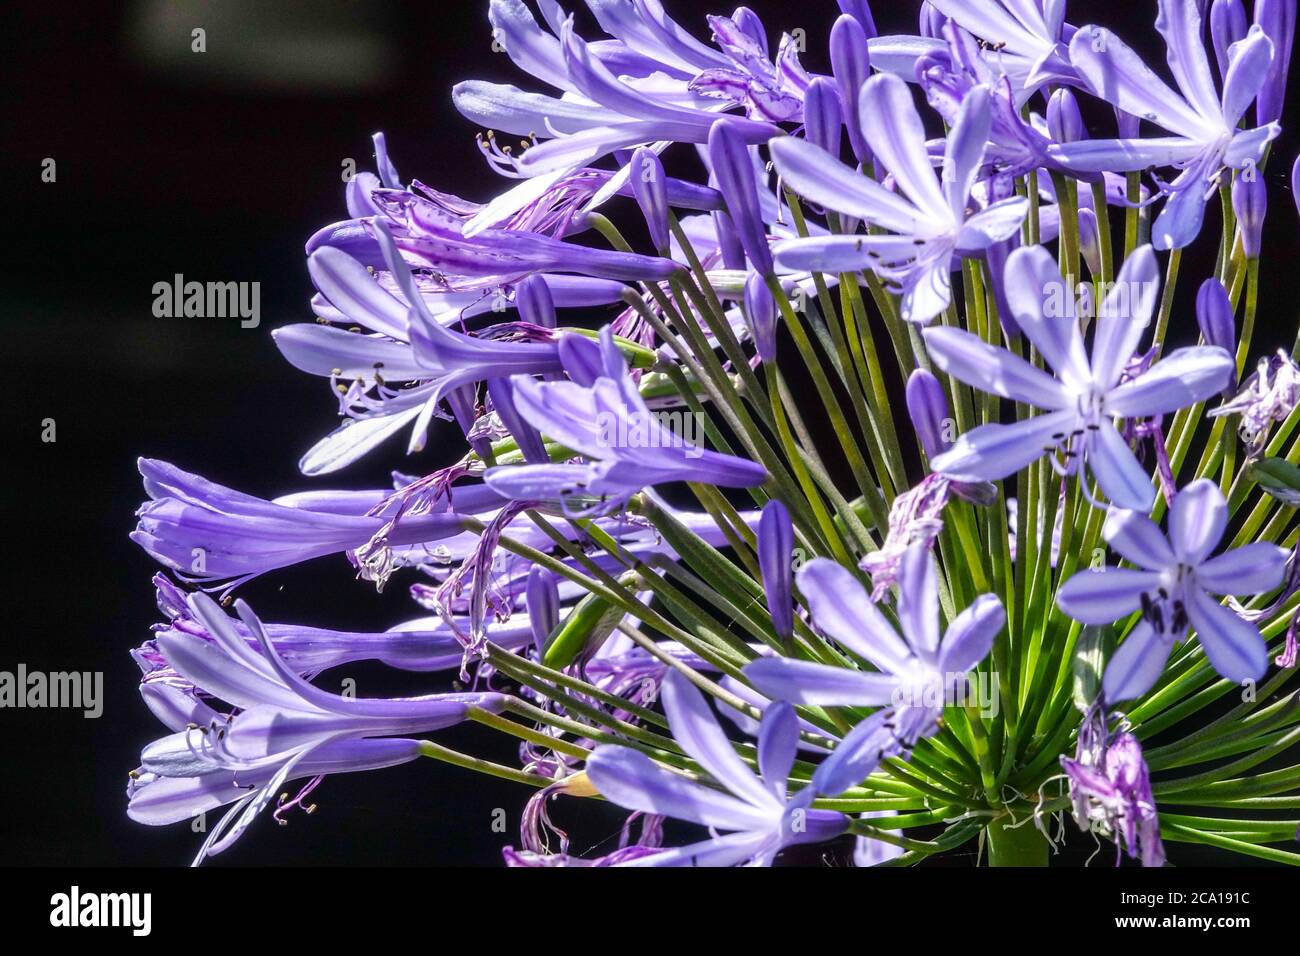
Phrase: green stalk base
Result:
[1021,846]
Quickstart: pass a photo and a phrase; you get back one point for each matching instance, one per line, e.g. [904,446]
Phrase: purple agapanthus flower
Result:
[1204,136]
[210,533]
[630,91]
[284,728]
[1027,39]
[420,645]
[1173,586]
[1110,788]
[757,810]
[1086,392]
[601,416]
[918,672]
[927,217]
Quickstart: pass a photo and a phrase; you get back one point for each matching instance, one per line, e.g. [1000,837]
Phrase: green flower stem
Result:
[516,729]
[1248,321]
[659,747]
[1067,204]
[1177,833]
[858,328]
[830,533]
[1101,208]
[979,735]
[862,829]
[438,752]
[514,665]
[817,715]
[1131,213]
[857,464]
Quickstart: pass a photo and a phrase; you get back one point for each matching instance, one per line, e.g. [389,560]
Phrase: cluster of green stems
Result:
[1220,769]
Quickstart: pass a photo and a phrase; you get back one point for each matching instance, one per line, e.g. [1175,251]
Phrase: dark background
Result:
[219,166]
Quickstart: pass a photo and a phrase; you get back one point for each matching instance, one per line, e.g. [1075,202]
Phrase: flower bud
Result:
[650,187]
[1250,203]
[1277,19]
[1227,26]
[534,302]
[851,66]
[1064,121]
[1214,315]
[734,168]
[543,600]
[760,310]
[526,436]
[860,10]
[927,406]
[1090,240]
[775,551]
[822,116]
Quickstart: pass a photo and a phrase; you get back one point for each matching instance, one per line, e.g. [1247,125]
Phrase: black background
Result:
[174,162]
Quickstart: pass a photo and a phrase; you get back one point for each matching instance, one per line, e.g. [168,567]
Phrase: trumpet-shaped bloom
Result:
[1086,392]
[285,728]
[1173,586]
[757,809]
[927,217]
[208,532]
[601,416]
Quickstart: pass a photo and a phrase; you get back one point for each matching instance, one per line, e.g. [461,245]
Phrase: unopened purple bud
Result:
[1277,18]
[851,66]
[1227,26]
[387,171]
[996,255]
[1064,121]
[526,436]
[582,359]
[775,552]
[751,25]
[760,309]
[860,10]
[1214,315]
[1250,203]
[651,191]
[534,302]
[822,117]
[729,247]
[932,21]
[734,169]
[1090,240]
[1295,184]
[927,406]
[543,597]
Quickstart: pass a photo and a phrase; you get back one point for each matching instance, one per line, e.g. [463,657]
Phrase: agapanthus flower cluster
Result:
[890,497]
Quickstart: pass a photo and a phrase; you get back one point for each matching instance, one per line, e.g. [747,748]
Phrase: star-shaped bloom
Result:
[1174,585]
[1205,136]
[757,809]
[1087,392]
[927,217]
[917,671]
